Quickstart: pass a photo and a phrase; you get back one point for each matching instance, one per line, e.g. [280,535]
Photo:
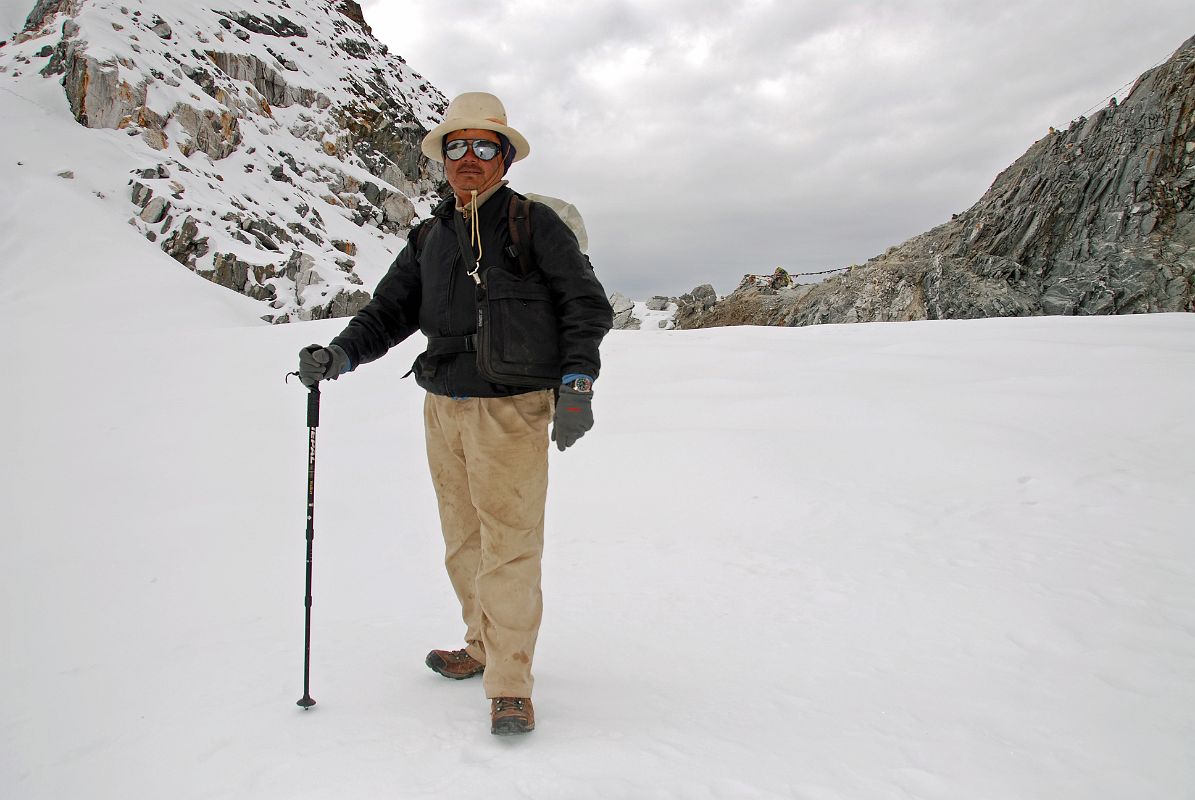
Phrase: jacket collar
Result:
[483,197]
[447,207]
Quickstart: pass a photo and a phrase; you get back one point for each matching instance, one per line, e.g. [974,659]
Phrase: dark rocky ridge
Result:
[1095,219]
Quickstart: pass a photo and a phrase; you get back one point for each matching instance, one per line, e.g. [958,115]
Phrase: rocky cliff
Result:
[1095,219]
[273,144]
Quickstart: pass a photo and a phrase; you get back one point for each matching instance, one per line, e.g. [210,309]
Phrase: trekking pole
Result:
[312,423]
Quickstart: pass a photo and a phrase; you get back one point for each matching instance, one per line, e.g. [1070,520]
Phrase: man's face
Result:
[470,173]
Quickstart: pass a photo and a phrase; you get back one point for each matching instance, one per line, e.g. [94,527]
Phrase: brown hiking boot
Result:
[455,664]
[510,715]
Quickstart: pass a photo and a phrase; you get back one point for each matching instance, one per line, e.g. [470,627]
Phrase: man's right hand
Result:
[318,363]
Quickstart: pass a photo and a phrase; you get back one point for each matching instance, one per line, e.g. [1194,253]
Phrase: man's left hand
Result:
[574,416]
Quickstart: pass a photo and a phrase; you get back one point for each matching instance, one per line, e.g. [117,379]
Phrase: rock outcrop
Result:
[1095,219]
[692,308]
[624,313]
[270,135]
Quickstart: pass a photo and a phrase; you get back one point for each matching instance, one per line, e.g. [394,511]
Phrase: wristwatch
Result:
[582,384]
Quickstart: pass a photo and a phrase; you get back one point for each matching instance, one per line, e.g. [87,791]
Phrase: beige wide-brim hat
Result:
[473,110]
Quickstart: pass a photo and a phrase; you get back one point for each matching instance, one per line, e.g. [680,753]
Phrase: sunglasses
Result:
[484,149]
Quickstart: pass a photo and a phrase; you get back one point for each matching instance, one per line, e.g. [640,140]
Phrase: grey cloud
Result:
[814,135]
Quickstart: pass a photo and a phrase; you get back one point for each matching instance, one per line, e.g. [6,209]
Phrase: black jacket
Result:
[431,291]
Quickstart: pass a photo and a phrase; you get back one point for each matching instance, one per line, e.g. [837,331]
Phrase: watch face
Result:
[583,385]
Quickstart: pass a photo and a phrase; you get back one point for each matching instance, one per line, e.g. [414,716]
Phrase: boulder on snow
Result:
[141,194]
[155,210]
[398,210]
[624,316]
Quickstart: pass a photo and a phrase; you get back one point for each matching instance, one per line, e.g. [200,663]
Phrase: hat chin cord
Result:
[474,235]
[471,214]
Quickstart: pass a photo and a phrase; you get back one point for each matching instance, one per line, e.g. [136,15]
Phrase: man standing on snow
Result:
[487,438]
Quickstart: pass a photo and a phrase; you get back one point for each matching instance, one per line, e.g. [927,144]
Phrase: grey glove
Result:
[318,363]
[574,416]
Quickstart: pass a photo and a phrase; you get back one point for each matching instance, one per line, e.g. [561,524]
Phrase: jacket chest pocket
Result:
[517,332]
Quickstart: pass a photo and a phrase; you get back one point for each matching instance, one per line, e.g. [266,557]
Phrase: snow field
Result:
[917,560]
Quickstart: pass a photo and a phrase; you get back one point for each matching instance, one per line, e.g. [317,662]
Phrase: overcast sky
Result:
[702,140]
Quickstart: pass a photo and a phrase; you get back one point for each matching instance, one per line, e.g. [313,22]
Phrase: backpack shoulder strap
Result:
[424,230]
[519,220]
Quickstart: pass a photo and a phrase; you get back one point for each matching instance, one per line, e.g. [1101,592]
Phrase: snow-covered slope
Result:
[924,560]
[272,147]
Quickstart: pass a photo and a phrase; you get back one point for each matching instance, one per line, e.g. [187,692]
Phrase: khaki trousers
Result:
[489,465]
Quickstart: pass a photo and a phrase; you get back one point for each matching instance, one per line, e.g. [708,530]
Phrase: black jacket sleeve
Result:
[391,315]
[582,309]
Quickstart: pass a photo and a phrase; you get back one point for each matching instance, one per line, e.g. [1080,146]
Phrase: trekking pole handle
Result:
[313,406]
[312,401]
